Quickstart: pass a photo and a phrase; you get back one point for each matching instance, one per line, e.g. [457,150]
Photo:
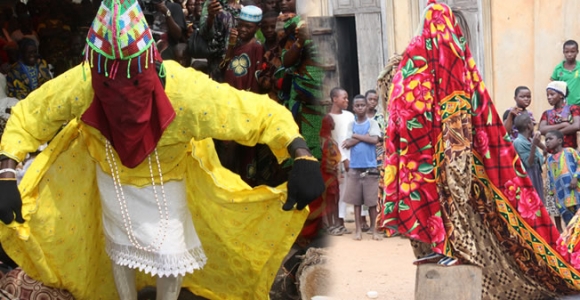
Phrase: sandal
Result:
[343,230]
[333,230]
[429,258]
[448,261]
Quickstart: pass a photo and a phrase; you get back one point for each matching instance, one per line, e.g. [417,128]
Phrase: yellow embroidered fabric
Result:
[244,231]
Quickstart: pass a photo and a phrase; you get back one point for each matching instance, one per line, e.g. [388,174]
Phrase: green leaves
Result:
[421,58]
[474,103]
[409,69]
[425,168]
[413,123]
[458,43]
[403,205]
[389,207]
[415,196]
[415,225]
[507,138]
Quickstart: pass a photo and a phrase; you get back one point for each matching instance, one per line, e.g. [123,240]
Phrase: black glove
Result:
[10,202]
[305,183]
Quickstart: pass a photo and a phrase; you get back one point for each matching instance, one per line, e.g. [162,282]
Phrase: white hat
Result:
[251,13]
[558,86]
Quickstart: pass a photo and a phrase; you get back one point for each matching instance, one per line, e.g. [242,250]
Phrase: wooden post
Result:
[435,282]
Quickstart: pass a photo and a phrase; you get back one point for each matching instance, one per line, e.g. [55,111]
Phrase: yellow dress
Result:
[244,231]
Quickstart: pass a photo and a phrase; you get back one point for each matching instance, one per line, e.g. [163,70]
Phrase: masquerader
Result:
[136,162]
[454,183]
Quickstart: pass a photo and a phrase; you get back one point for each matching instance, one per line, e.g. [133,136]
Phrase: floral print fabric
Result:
[453,180]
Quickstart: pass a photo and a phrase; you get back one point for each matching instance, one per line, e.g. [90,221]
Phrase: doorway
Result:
[347,56]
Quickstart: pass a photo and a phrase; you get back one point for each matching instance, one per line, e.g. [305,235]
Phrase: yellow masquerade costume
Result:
[244,232]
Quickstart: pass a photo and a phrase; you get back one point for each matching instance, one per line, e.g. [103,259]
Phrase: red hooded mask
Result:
[130,111]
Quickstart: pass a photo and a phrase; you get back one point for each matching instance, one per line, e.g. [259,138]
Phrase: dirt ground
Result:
[385,267]
[361,266]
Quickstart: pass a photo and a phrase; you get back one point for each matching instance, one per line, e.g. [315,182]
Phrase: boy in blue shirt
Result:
[362,184]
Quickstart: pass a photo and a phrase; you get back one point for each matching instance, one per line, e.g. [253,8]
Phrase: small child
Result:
[528,144]
[563,174]
[523,98]
[244,54]
[362,184]
[568,71]
[329,166]
[373,113]
[268,29]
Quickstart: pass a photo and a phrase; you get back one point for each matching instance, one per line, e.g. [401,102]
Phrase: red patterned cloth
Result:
[453,180]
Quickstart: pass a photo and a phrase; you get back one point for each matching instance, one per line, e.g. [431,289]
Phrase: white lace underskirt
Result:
[174,247]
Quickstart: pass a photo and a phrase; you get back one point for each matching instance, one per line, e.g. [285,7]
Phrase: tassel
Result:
[139,63]
[129,69]
[147,59]
[92,54]
[84,74]
[99,64]
[162,71]
[106,63]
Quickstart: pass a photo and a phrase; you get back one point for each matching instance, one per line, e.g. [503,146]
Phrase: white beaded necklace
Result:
[162,233]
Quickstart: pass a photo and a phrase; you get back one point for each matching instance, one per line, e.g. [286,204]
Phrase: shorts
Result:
[362,187]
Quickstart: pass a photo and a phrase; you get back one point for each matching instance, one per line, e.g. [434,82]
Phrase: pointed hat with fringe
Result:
[120,30]
[131,110]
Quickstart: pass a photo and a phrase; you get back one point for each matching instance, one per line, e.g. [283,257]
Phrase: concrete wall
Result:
[522,46]
[311,8]
[526,43]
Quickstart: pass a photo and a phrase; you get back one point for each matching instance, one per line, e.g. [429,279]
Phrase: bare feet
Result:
[377,236]
[357,236]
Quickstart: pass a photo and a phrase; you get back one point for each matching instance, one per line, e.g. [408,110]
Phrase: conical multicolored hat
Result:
[119,30]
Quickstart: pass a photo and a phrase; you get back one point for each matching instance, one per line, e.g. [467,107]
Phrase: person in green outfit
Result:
[568,71]
[301,75]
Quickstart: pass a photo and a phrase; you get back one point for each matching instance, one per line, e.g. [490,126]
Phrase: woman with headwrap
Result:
[28,73]
[300,75]
[454,185]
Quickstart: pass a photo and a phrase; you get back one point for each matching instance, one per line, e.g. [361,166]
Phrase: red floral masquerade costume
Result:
[453,181]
